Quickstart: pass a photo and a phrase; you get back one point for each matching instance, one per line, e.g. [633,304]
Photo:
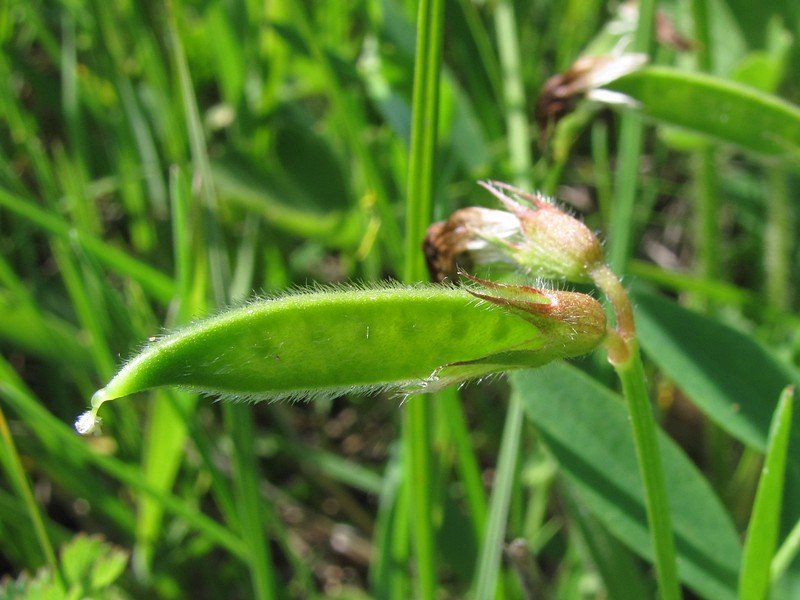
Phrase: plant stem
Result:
[492,545]
[630,144]
[517,129]
[634,388]
[777,241]
[624,355]
[418,462]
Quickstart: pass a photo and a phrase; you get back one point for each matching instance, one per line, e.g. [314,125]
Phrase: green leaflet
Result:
[333,341]
[718,108]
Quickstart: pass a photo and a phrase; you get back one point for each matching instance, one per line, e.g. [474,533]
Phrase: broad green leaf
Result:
[586,427]
[715,107]
[762,531]
[329,342]
[730,377]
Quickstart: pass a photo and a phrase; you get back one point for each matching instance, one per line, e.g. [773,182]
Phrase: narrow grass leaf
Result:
[762,531]
[489,562]
[718,108]
[586,427]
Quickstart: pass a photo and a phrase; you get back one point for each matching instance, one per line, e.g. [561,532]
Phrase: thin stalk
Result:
[492,546]
[778,241]
[707,187]
[251,507]
[786,553]
[602,169]
[634,388]
[469,470]
[516,114]
[707,236]
[218,265]
[622,221]
[624,355]
[418,462]
[239,417]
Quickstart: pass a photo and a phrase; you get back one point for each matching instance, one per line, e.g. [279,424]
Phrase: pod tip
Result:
[87,422]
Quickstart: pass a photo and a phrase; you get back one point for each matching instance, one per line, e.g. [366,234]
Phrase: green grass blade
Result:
[40,334]
[489,562]
[764,525]
[469,469]
[622,227]
[15,473]
[517,130]
[418,459]
[168,417]
[786,553]
[251,508]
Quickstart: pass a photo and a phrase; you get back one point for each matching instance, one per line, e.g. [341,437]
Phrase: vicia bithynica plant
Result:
[330,341]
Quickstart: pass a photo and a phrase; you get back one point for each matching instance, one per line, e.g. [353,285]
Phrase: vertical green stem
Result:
[238,416]
[708,209]
[778,241]
[624,355]
[492,546]
[631,374]
[707,236]
[622,221]
[417,431]
[424,131]
[250,503]
[517,130]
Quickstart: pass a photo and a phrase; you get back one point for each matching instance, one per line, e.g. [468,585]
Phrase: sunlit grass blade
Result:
[12,465]
[763,528]
[489,562]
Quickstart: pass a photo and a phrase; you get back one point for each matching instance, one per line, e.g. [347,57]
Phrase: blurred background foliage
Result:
[159,160]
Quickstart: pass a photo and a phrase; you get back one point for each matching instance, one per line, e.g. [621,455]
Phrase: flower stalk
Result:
[550,243]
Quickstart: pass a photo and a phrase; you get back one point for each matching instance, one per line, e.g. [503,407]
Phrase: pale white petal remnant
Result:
[87,422]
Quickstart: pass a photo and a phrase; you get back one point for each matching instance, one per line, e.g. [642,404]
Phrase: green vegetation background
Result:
[159,160]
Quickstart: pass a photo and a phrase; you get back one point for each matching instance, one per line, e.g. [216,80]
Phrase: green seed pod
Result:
[332,341]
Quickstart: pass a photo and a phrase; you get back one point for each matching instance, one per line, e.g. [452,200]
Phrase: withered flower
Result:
[533,234]
[561,93]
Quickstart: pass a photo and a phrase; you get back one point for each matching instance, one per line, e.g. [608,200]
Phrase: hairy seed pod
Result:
[332,341]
